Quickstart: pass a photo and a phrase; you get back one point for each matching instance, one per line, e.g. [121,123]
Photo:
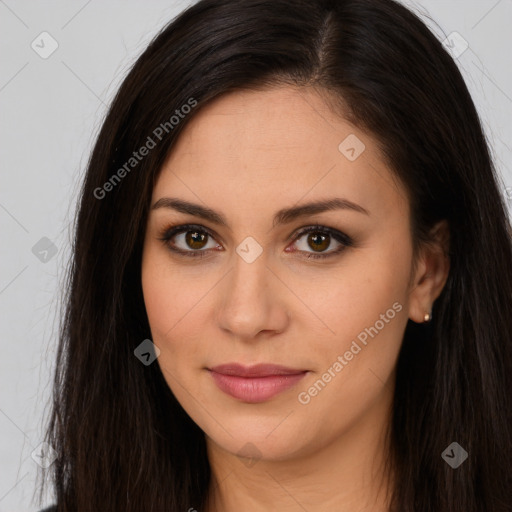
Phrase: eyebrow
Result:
[284,216]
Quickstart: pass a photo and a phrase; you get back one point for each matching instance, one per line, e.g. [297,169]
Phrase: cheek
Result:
[364,306]
[168,293]
[160,288]
[173,308]
[355,365]
[356,295]
[176,308]
[156,288]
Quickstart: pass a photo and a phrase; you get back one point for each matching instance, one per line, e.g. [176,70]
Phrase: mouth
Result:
[254,384]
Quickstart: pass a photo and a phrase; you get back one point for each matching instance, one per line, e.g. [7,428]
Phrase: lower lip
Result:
[255,389]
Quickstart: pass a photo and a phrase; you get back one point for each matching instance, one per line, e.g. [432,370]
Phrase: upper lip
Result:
[258,370]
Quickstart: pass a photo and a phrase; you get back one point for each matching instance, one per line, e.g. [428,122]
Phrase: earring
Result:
[428,316]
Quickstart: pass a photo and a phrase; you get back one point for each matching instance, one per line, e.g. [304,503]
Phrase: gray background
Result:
[51,110]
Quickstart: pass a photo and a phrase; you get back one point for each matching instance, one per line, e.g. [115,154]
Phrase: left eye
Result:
[195,240]
[319,239]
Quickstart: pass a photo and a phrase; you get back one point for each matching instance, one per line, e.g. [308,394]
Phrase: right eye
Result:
[192,238]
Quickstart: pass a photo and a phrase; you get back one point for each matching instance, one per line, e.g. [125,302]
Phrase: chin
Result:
[256,439]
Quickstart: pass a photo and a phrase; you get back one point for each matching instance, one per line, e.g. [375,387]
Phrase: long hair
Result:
[122,439]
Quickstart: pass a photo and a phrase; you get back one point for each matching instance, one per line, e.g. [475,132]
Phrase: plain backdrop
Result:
[51,110]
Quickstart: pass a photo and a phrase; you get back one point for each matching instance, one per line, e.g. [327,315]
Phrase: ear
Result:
[431,273]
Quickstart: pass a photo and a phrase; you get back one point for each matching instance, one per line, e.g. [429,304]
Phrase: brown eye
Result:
[314,242]
[189,240]
[196,239]
[318,241]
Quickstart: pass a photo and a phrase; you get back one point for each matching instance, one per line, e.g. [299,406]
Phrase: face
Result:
[236,272]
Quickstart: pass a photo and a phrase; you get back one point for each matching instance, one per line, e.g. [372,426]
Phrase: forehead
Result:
[276,146]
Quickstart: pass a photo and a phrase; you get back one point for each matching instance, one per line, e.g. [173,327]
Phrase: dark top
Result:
[53,508]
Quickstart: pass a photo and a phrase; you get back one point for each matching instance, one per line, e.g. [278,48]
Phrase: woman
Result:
[291,281]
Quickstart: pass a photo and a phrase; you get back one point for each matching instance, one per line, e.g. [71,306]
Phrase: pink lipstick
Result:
[256,383]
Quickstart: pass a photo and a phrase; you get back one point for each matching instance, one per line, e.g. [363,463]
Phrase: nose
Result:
[252,300]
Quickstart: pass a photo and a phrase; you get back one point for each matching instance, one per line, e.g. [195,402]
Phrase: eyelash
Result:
[169,232]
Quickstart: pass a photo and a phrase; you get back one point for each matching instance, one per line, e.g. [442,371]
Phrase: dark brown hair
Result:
[123,440]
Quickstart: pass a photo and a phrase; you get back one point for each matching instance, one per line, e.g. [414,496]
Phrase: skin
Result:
[248,155]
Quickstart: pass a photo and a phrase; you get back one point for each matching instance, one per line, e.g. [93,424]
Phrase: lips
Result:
[254,384]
